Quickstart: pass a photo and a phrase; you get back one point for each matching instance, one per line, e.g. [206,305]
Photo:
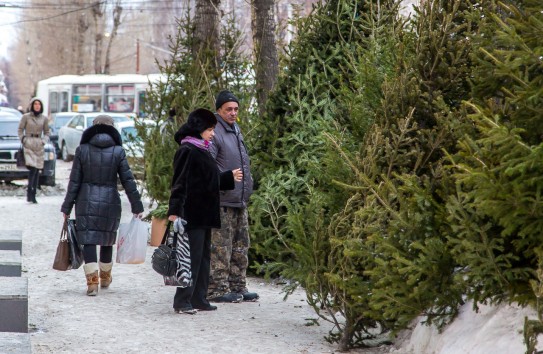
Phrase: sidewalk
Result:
[135,315]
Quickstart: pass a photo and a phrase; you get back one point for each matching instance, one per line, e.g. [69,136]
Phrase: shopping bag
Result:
[76,249]
[132,242]
[62,256]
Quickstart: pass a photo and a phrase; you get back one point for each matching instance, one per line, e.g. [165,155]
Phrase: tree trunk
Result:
[206,31]
[267,63]
[116,23]
[82,28]
[97,13]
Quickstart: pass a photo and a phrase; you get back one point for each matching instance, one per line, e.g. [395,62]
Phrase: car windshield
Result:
[61,121]
[129,134]
[9,129]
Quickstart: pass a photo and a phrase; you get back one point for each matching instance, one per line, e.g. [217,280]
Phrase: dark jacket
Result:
[195,187]
[230,152]
[98,161]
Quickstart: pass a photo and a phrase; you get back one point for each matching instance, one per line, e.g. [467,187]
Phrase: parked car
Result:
[55,123]
[9,147]
[133,145]
[69,135]
[11,110]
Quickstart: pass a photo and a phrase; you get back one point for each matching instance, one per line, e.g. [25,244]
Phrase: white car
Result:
[133,144]
[69,136]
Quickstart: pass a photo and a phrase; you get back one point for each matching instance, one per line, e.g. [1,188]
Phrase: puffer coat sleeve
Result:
[74,184]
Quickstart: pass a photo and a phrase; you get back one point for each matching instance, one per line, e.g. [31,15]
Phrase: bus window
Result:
[53,102]
[58,102]
[119,98]
[63,101]
[86,98]
[141,104]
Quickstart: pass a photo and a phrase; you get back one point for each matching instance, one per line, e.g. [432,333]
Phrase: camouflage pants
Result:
[229,248]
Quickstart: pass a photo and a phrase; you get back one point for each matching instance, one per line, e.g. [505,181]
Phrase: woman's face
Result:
[208,134]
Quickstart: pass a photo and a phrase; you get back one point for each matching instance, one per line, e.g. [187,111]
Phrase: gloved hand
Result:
[179,225]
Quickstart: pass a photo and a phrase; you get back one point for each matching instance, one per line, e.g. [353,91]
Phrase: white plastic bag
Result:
[132,242]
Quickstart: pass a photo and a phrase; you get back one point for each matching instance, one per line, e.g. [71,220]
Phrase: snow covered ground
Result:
[491,330]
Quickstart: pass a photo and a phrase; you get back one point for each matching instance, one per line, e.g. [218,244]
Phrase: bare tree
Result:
[117,11]
[79,42]
[265,49]
[97,16]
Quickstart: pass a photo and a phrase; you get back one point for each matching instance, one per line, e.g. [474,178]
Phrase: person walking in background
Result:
[92,187]
[34,134]
[194,197]
[230,244]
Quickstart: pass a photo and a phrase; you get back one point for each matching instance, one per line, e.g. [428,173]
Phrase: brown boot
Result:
[105,274]
[91,272]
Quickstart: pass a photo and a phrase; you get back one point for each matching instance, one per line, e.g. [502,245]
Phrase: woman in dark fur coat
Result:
[195,198]
[98,160]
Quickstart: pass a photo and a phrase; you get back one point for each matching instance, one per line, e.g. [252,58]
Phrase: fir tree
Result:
[308,117]
[184,89]
[392,235]
[496,210]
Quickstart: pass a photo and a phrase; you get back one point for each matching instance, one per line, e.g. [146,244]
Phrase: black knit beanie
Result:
[198,121]
[223,97]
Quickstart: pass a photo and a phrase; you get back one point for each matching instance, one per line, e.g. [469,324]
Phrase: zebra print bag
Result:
[172,258]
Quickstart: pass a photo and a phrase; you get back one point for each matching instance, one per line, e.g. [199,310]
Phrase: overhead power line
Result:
[53,16]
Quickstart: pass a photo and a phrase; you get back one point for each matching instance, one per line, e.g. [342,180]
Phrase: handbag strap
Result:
[166,232]
[64,232]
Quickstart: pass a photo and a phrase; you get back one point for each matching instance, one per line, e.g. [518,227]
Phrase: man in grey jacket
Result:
[230,244]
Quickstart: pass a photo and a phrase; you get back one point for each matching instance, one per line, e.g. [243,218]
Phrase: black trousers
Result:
[89,254]
[33,176]
[200,256]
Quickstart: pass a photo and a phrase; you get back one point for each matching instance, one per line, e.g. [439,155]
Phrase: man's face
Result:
[36,105]
[229,112]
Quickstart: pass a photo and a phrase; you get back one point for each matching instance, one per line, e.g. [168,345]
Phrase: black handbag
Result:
[163,258]
[76,250]
[20,156]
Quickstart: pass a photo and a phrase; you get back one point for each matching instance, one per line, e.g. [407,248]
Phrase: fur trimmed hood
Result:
[31,106]
[94,130]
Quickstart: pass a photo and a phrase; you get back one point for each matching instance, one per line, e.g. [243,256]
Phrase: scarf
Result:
[199,143]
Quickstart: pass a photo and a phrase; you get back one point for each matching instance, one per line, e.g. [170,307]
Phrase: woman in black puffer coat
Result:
[98,161]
